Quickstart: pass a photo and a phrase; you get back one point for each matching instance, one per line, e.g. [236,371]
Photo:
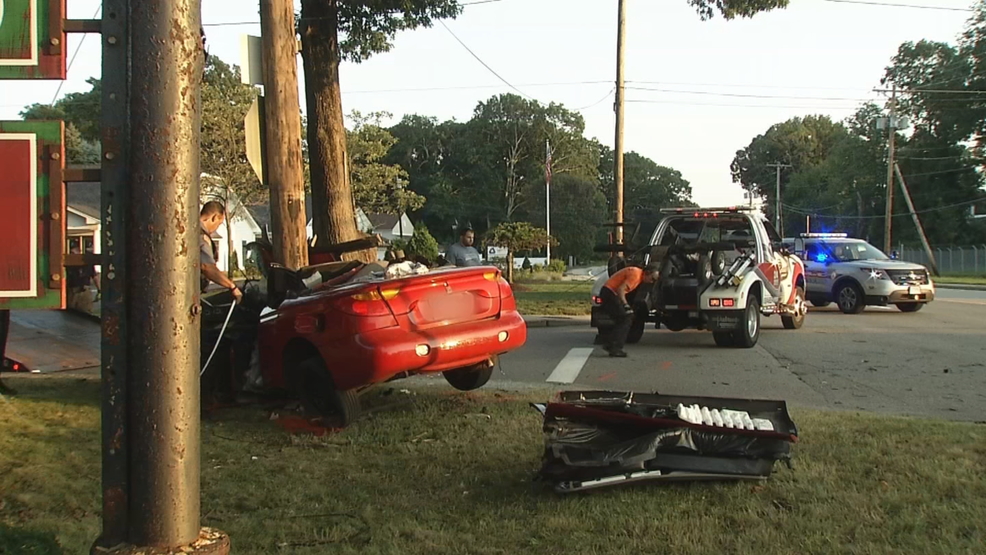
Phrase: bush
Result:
[556,266]
[526,266]
[422,244]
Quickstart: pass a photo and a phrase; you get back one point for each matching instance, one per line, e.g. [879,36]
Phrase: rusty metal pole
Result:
[162,266]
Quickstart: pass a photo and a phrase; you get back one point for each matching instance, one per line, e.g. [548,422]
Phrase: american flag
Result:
[547,162]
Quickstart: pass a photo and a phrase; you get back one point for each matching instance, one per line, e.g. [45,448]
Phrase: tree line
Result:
[485,171]
[838,170]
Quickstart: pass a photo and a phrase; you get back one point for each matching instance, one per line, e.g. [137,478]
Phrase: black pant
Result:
[613,306]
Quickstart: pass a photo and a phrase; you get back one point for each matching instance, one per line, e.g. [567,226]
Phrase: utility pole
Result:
[618,143]
[892,131]
[547,197]
[282,112]
[917,221]
[162,298]
[777,196]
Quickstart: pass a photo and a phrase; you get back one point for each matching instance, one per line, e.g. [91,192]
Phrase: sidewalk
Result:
[49,341]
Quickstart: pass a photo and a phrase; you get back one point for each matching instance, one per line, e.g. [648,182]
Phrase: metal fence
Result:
[951,260]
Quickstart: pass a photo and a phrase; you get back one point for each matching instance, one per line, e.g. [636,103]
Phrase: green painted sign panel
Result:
[32,216]
[32,39]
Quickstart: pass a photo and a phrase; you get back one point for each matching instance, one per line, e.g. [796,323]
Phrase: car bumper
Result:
[380,355]
[893,294]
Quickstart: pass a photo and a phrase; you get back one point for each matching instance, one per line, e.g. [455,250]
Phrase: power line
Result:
[480,60]
[748,95]
[750,86]
[726,105]
[594,104]
[895,5]
[882,216]
[471,87]
[78,47]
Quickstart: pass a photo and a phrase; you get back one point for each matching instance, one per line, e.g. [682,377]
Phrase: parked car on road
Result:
[853,274]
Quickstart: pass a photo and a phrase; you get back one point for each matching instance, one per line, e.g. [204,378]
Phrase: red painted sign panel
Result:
[19,215]
[32,214]
[32,39]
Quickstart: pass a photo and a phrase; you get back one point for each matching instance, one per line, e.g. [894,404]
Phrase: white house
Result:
[83,225]
[388,226]
[242,226]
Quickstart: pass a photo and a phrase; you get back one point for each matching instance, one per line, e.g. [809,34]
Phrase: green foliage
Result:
[555,266]
[526,265]
[731,9]
[377,187]
[367,27]
[519,236]
[422,244]
[80,111]
[578,208]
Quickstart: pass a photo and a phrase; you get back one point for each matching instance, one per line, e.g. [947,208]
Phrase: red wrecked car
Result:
[329,330]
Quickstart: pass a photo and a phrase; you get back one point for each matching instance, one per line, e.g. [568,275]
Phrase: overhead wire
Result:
[71,61]
[240,23]
[897,5]
[808,212]
[480,60]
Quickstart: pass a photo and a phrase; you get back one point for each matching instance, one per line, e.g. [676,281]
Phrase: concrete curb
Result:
[960,286]
[555,321]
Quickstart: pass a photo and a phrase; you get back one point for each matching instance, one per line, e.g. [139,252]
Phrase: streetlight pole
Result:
[547,198]
[892,132]
[777,196]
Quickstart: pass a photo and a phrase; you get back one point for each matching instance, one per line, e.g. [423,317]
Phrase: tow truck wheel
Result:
[470,377]
[849,297]
[724,338]
[796,320]
[636,332]
[910,307]
[749,332]
[320,397]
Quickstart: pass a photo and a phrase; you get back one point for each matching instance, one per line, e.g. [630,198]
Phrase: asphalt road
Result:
[929,363]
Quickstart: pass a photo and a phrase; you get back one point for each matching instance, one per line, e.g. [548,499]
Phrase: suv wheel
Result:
[849,297]
[749,332]
[910,307]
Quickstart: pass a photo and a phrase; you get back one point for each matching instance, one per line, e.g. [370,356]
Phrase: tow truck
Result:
[721,270]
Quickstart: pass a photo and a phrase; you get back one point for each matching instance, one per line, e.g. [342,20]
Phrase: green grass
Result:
[961,279]
[434,474]
[553,298]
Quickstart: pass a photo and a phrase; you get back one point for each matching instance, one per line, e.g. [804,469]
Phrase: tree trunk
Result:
[333,213]
[510,267]
[283,136]
[229,233]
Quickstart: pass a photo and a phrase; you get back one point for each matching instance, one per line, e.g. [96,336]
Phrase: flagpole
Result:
[547,198]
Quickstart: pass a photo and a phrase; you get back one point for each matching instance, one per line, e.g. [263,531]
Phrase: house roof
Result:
[260,213]
[84,197]
[382,221]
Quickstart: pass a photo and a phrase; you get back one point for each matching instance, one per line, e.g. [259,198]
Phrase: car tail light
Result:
[728,303]
[368,303]
[491,276]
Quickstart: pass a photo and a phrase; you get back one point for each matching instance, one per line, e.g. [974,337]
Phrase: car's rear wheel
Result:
[850,299]
[910,307]
[724,338]
[749,332]
[796,320]
[470,377]
[319,395]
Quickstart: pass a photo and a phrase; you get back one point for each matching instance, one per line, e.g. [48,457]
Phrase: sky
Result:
[696,91]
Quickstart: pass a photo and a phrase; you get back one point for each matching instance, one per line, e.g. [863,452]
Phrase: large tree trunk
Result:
[333,213]
[283,134]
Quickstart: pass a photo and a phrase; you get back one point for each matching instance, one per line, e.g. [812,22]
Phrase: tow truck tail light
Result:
[714,302]
[728,303]
[596,300]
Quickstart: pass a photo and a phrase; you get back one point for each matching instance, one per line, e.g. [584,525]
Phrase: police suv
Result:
[853,273]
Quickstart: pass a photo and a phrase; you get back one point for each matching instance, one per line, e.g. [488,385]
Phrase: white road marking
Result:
[568,369]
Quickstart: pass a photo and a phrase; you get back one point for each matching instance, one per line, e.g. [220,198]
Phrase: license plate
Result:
[914,291]
[451,307]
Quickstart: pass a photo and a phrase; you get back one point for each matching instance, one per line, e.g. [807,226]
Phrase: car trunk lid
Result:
[445,297]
